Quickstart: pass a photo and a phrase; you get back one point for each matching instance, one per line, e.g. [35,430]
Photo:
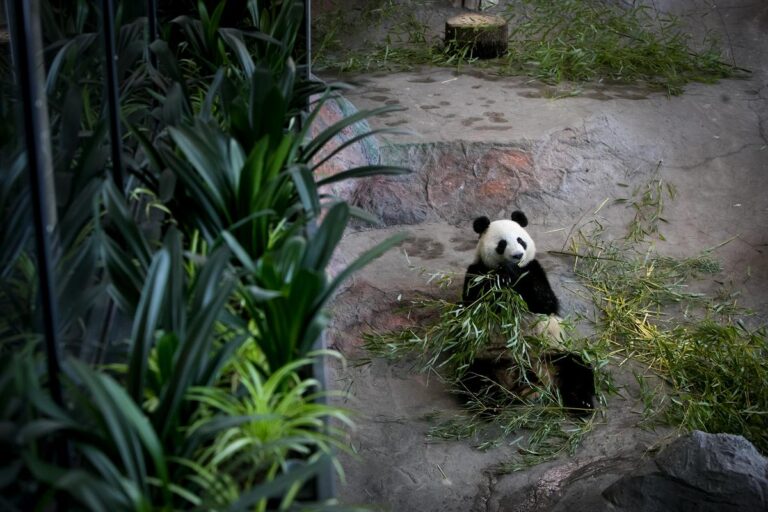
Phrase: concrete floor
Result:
[489,145]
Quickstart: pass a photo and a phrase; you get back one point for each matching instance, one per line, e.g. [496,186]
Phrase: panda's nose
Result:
[517,256]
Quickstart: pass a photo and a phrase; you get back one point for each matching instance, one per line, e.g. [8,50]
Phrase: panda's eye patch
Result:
[521,242]
[501,246]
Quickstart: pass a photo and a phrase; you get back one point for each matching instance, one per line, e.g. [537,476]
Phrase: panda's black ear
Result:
[481,224]
[520,218]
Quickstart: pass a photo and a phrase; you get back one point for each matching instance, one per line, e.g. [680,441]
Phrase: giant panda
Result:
[507,252]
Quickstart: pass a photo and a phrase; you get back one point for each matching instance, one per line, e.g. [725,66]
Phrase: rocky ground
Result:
[484,145]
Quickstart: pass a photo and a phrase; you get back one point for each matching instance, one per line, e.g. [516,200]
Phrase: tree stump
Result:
[485,36]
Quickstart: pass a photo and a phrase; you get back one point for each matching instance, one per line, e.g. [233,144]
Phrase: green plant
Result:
[268,37]
[102,414]
[242,165]
[694,342]
[214,247]
[592,40]
[272,418]
[122,464]
[554,41]
[285,291]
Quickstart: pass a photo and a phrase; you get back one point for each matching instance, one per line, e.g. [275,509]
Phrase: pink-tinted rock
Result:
[455,182]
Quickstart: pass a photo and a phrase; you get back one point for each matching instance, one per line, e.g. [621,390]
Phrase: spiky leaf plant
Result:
[271,419]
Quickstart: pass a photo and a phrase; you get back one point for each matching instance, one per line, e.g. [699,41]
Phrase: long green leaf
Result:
[278,486]
[125,441]
[362,172]
[149,312]
[306,188]
[326,238]
[210,293]
[239,251]
[234,39]
[139,424]
[210,95]
[335,129]
[86,487]
[356,139]
[361,262]
[200,148]
[119,214]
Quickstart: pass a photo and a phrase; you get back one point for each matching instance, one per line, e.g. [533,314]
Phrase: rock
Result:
[454,182]
[457,182]
[701,472]
[397,200]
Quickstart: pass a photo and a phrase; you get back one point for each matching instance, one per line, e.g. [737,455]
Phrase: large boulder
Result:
[700,472]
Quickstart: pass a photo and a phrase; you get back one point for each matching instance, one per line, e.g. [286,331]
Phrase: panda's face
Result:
[505,242]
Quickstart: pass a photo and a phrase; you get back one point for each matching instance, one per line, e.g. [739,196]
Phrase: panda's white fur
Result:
[515,252]
[547,326]
[520,250]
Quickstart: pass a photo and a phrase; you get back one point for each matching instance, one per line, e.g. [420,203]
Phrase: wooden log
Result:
[484,35]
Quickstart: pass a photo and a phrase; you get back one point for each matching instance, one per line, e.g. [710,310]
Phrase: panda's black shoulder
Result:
[535,271]
[536,291]
[479,269]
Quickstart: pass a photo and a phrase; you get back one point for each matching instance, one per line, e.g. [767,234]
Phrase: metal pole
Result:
[305,69]
[29,64]
[308,38]
[152,29]
[113,93]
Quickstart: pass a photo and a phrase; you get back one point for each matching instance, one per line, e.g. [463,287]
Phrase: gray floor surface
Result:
[489,145]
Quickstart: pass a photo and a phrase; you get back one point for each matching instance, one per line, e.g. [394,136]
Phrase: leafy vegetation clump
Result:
[580,40]
[398,37]
[711,365]
[551,40]
[258,430]
[458,335]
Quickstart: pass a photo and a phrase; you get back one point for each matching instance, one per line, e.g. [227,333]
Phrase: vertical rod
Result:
[151,29]
[113,93]
[28,64]
[325,487]
[307,26]
[305,36]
